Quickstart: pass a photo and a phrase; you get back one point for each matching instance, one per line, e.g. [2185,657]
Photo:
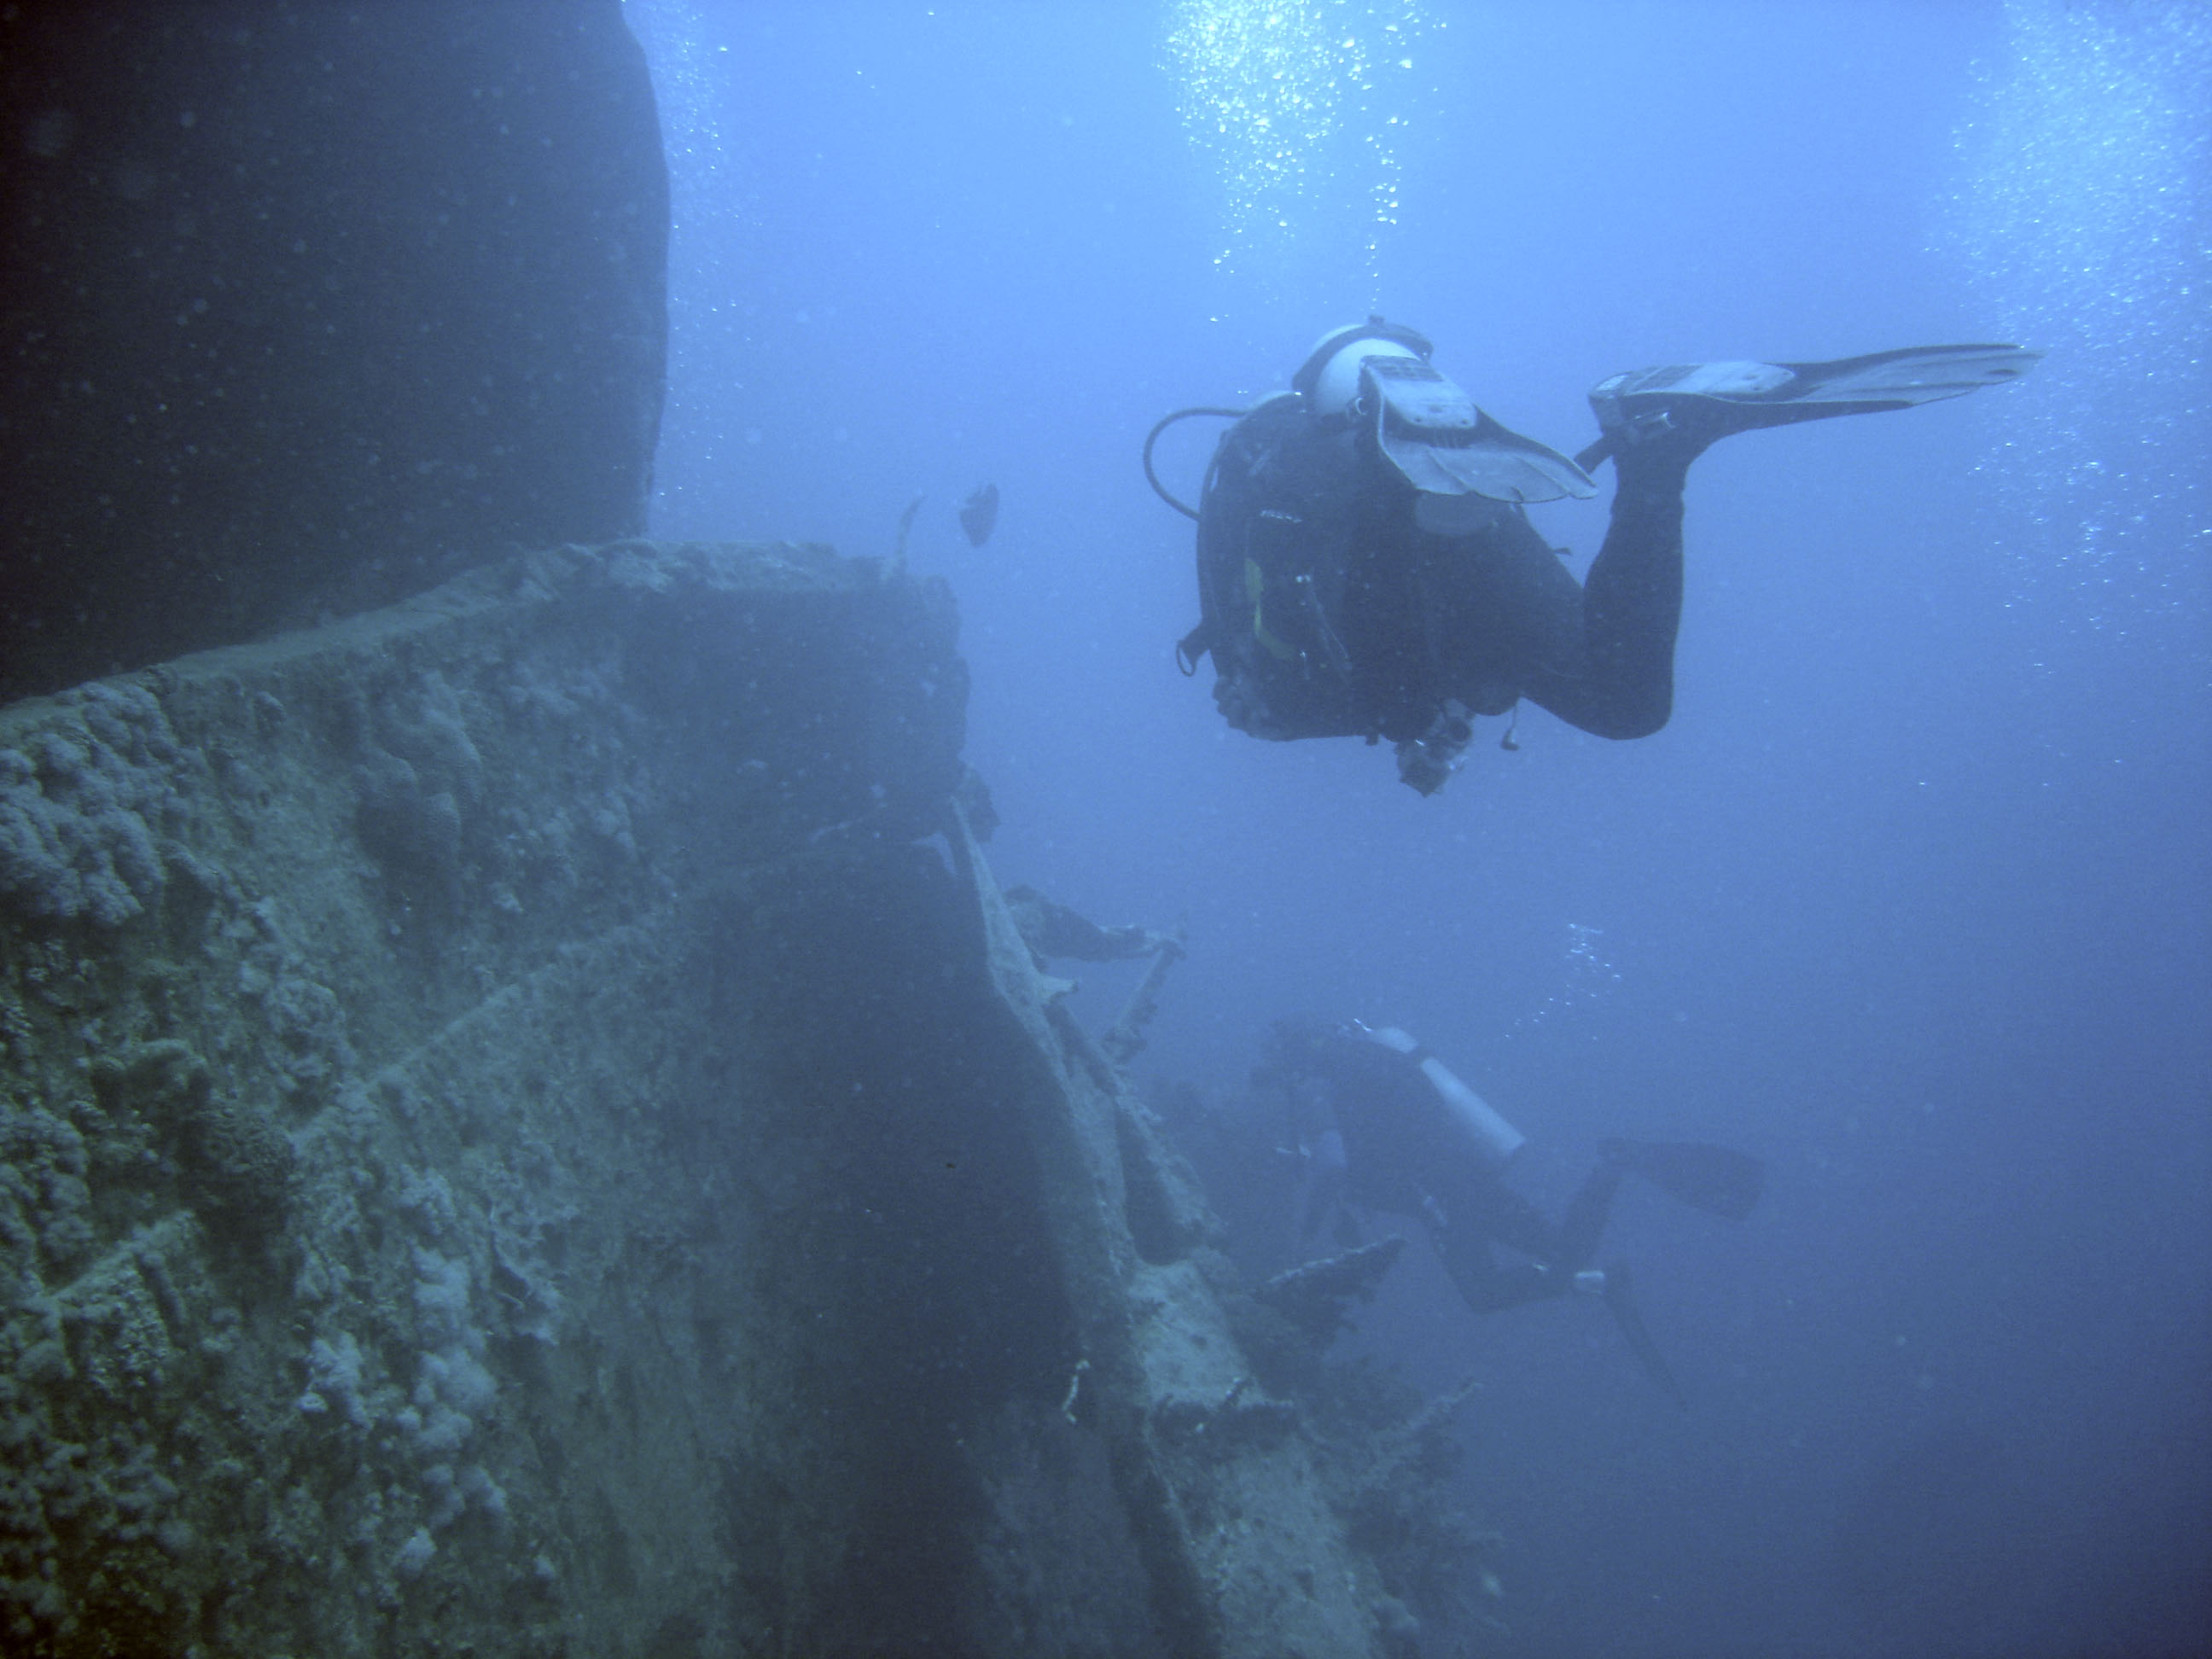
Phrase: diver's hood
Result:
[1429,430]
[1329,377]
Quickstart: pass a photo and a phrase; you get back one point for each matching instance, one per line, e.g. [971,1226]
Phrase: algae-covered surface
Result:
[529,1128]
[373,1100]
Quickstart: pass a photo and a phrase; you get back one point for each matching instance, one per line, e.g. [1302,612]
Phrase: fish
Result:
[979,514]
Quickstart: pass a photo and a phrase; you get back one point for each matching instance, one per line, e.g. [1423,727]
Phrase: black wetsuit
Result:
[1404,1155]
[1331,613]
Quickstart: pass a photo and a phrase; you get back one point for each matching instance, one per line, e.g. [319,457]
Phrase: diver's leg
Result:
[1599,654]
[1583,1222]
[1632,596]
[1516,1224]
[1474,1212]
[1484,1283]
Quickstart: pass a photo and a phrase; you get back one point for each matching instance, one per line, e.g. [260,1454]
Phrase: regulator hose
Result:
[1153,437]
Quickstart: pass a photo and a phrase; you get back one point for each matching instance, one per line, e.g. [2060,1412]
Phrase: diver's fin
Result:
[1444,446]
[1618,1297]
[1710,1178]
[1711,400]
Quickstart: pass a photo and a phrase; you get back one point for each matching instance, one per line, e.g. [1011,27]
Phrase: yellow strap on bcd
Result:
[1256,589]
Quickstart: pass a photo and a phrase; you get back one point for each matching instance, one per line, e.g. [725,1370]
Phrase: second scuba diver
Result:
[1385,1124]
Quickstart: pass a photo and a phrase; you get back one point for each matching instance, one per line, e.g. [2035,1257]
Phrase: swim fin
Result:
[1625,1314]
[1711,400]
[1710,1178]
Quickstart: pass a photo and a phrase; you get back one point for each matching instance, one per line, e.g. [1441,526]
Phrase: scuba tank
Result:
[1310,593]
[1487,1132]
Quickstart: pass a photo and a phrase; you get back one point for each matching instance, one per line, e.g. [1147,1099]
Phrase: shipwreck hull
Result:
[529,1130]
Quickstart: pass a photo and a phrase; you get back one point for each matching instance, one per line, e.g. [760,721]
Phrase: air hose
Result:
[1153,437]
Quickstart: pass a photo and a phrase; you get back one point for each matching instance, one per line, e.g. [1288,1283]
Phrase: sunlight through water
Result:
[2081,217]
[1302,107]
[1587,973]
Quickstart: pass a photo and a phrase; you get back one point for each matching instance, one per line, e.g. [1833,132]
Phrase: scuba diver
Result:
[1386,1126]
[1366,565]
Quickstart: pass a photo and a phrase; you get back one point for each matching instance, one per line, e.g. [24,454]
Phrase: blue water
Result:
[1911,897]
